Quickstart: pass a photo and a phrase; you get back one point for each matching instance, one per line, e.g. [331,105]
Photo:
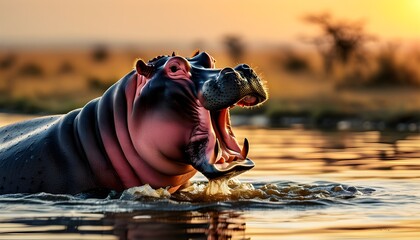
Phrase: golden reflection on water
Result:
[332,155]
[337,156]
[388,162]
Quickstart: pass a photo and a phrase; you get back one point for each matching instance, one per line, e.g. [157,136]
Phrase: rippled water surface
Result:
[307,184]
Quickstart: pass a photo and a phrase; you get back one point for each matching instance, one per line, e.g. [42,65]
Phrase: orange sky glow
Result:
[26,23]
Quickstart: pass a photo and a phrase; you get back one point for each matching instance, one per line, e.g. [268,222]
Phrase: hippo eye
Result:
[178,68]
[173,68]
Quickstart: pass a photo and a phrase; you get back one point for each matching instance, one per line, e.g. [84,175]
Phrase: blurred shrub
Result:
[292,62]
[387,71]
[7,62]
[31,70]
[391,72]
[235,48]
[100,54]
[296,63]
[342,47]
[66,68]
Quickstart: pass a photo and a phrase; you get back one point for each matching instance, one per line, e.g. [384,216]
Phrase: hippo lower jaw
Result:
[227,159]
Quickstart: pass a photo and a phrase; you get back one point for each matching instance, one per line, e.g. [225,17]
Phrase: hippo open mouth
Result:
[233,87]
[227,154]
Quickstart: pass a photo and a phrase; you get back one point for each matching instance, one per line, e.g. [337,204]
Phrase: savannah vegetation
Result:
[342,73]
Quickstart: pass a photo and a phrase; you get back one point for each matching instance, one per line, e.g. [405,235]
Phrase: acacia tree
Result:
[339,40]
[235,47]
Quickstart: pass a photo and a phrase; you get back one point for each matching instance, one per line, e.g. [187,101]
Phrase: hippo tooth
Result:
[219,150]
[217,154]
[245,148]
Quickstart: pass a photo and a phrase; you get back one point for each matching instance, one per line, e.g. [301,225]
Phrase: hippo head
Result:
[190,100]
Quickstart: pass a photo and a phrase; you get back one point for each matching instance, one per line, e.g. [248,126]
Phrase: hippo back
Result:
[41,155]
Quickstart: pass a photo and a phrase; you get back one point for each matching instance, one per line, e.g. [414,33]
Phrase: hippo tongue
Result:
[227,148]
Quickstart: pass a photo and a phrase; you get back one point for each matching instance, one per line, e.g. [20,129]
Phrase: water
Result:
[307,184]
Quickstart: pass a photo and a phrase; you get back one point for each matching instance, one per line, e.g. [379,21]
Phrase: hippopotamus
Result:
[161,123]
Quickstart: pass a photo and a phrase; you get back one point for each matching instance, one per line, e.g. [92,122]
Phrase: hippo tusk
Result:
[245,148]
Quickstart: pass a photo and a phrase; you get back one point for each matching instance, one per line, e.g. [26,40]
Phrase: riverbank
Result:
[48,82]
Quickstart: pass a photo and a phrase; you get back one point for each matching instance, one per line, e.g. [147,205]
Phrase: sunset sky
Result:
[44,22]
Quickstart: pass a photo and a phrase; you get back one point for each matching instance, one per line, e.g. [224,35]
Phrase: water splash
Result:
[200,195]
[145,191]
[234,190]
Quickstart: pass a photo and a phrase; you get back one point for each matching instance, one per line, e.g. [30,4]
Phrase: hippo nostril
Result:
[246,66]
[226,71]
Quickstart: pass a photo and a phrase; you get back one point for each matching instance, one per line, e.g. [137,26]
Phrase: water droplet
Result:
[338,188]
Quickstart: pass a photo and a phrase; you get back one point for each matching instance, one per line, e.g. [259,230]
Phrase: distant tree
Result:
[31,70]
[7,62]
[235,47]
[295,62]
[100,54]
[65,68]
[391,72]
[339,40]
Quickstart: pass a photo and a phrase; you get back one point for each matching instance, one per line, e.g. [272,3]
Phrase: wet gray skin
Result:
[95,147]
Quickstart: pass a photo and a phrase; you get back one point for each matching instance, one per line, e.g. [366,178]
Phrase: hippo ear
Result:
[144,69]
[196,53]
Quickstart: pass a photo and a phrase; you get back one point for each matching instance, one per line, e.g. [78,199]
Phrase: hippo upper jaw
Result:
[233,86]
